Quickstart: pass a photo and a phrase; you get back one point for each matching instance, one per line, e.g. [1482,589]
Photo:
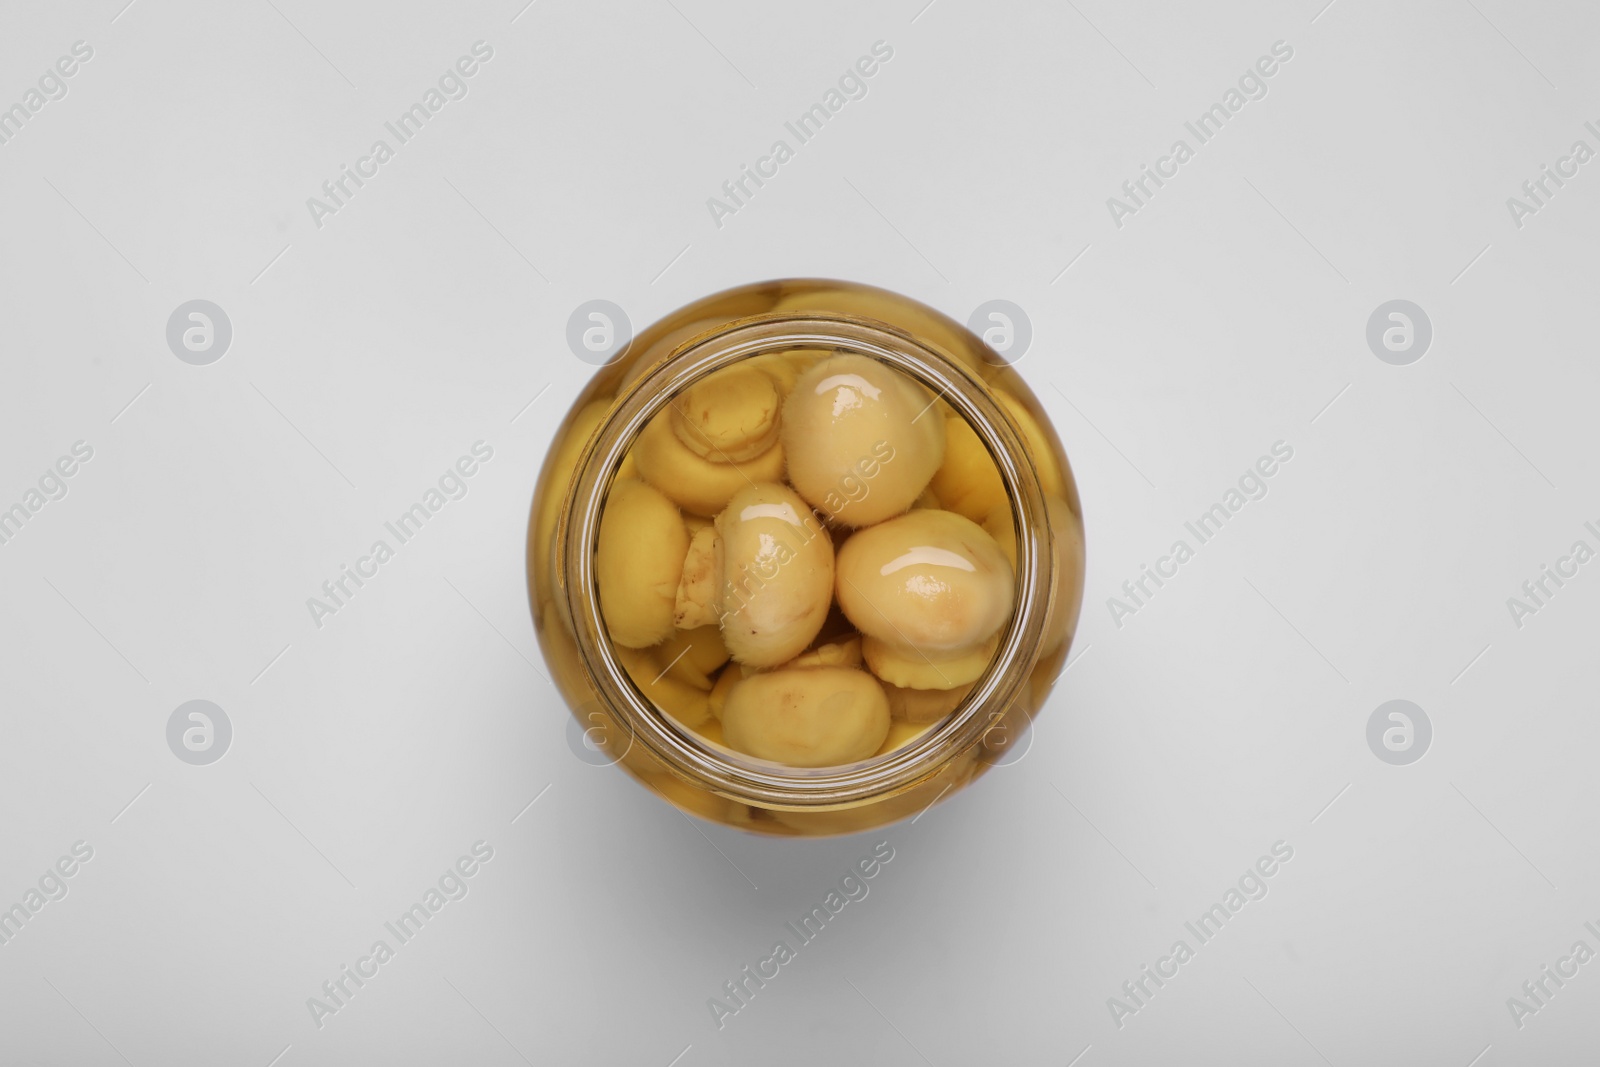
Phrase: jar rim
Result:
[746,778]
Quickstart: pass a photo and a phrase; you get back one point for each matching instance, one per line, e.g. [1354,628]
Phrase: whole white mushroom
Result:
[807,717]
[928,580]
[777,570]
[862,440]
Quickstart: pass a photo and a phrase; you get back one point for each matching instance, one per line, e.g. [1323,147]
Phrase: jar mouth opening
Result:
[747,778]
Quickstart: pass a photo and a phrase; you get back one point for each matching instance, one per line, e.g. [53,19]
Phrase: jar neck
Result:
[755,781]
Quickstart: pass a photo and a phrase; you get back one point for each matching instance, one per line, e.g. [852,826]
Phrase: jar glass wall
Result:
[697,413]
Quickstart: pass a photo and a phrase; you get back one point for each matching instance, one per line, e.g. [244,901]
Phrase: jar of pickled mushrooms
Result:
[806,559]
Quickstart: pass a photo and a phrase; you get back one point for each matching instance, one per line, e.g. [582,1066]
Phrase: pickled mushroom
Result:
[929,580]
[638,562]
[728,417]
[862,439]
[809,717]
[693,482]
[777,567]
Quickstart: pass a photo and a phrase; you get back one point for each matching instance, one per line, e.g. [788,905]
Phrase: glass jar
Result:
[620,725]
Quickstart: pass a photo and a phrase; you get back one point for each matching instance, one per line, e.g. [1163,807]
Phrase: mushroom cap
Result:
[807,717]
[638,562]
[923,706]
[695,483]
[862,440]
[729,416]
[777,569]
[928,580]
[692,656]
[687,704]
[913,668]
[968,482]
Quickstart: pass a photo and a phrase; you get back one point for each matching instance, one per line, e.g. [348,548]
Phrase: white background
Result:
[369,353]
